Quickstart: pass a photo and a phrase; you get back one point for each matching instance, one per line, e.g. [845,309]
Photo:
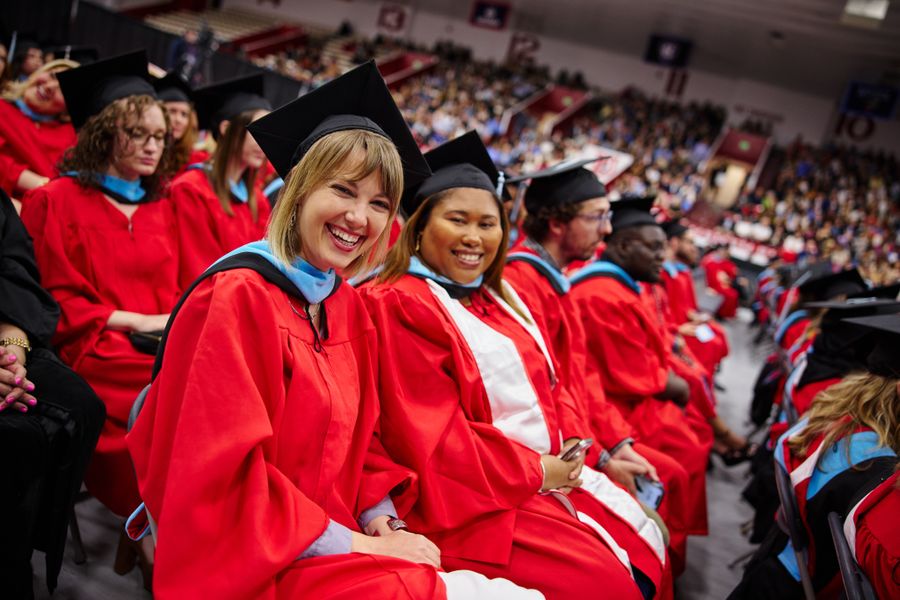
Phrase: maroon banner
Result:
[490,15]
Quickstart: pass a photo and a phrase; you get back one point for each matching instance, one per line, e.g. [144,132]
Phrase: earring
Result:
[418,243]
[293,223]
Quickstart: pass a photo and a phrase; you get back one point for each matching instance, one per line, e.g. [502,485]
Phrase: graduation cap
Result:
[674,229]
[172,88]
[225,100]
[632,212]
[83,55]
[831,285]
[565,183]
[91,88]
[842,346]
[884,359]
[358,99]
[463,162]
[889,292]
[858,307]
[20,45]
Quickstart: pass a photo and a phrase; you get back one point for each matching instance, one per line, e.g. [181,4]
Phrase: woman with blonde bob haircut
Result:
[844,448]
[268,376]
[350,155]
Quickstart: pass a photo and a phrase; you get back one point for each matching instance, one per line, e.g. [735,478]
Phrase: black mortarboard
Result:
[83,55]
[91,88]
[359,99]
[565,183]
[889,292]
[463,162]
[225,100]
[632,212]
[832,285]
[674,229]
[884,360]
[858,307]
[172,88]
[842,346]
[22,45]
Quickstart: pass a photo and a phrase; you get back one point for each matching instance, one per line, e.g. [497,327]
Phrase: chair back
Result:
[856,584]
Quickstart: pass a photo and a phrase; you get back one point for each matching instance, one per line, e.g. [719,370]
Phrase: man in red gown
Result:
[721,275]
[627,351]
[705,338]
[568,215]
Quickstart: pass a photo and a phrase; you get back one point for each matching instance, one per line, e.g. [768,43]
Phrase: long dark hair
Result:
[396,264]
[229,147]
[93,152]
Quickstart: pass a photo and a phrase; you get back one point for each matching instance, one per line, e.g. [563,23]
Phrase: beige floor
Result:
[708,576]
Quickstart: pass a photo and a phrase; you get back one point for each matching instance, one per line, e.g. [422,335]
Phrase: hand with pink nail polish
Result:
[14,385]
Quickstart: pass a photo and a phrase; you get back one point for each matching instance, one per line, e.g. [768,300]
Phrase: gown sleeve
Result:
[621,349]
[84,311]
[10,169]
[435,419]
[229,521]
[198,237]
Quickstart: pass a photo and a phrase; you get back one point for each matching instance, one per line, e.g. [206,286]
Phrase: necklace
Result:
[310,313]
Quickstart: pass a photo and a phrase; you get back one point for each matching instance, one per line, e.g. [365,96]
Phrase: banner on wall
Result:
[490,15]
[523,48]
[394,19]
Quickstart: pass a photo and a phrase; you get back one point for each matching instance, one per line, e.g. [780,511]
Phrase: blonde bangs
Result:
[353,155]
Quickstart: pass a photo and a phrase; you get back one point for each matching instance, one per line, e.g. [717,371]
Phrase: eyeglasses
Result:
[597,219]
[141,137]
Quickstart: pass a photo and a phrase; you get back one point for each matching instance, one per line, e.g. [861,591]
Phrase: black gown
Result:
[45,450]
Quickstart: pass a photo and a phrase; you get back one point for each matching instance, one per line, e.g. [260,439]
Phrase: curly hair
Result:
[537,224]
[93,151]
[860,399]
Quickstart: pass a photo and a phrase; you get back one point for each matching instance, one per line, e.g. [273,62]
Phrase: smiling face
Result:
[463,234]
[43,95]
[139,145]
[179,118]
[341,220]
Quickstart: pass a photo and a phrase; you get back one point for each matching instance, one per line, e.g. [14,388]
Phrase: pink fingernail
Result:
[18,381]
[12,358]
[22,409]
[9,399]
[32,401]
[30,387]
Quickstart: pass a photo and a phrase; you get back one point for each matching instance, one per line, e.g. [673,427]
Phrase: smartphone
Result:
[649,492]
[577,450]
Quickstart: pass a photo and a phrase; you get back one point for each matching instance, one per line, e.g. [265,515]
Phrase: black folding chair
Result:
[790,522]
[856,584]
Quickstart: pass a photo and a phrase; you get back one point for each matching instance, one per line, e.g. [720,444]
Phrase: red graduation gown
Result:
[717,271]
[205,232]
[682,302]
[478,496]
[684,363]
[94,261]
[564,331]
[250,440]
[26,144]
[626,349]
[876,539]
